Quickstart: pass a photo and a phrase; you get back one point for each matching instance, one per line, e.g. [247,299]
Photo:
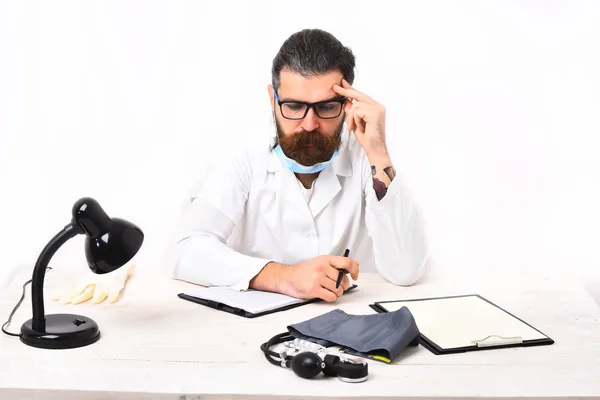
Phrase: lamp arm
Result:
[39,272]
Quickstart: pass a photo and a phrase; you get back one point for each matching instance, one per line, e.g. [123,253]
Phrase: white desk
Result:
[163,347]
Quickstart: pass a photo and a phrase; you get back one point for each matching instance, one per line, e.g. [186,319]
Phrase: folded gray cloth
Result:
[377,336]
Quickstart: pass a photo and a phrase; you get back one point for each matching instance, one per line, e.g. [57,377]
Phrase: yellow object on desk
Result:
[97,287]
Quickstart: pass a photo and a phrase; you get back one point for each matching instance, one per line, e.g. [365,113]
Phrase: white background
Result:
[493,117]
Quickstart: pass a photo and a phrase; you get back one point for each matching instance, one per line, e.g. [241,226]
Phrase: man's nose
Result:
[311,121]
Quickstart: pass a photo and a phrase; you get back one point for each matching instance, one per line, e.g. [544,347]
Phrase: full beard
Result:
[309,148]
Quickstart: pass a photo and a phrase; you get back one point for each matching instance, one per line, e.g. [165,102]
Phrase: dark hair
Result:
[313,52]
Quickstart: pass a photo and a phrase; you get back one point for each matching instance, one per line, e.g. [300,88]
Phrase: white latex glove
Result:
[97,287]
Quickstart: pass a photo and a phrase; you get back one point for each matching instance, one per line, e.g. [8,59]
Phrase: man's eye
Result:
[294,106]
[333,107]
[328,106]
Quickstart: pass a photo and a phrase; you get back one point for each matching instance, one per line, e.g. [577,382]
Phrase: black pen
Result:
[342,271]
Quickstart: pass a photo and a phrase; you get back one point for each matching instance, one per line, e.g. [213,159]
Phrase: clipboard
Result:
[457,324]
[257,303]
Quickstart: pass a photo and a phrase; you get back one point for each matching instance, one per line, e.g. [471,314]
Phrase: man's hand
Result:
[317,277]
[366,118]
[314,278]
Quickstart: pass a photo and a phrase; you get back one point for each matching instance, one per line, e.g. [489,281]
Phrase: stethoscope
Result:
[308,364]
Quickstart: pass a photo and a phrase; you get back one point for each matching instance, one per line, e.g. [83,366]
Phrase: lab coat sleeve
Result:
[397,230]
[201,254]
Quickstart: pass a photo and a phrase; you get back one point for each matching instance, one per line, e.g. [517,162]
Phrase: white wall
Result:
[493,116]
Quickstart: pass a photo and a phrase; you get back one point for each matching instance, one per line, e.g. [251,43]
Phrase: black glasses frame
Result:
[340,100]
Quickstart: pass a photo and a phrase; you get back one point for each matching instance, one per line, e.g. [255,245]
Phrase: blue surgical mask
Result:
[296,167]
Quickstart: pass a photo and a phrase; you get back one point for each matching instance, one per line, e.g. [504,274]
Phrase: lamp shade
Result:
[110,242]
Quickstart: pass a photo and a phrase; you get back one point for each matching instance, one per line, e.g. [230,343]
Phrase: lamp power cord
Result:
[5,325]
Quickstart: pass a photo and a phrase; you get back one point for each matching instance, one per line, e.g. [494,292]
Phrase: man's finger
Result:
[353,269]
[339,262]
[350,92]
[347,106]
[348,86]
[329,284]
[332,273]
[350,118]
[345,283]
[359,123]
[351,123]
[326,295]
[350,265]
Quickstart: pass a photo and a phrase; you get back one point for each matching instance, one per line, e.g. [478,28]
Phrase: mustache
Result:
[312,139]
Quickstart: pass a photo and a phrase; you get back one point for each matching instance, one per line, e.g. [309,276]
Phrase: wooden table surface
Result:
[157,346]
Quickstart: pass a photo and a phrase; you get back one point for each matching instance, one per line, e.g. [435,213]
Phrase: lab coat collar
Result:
[328,184]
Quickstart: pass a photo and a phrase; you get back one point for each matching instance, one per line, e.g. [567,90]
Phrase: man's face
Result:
[312,139]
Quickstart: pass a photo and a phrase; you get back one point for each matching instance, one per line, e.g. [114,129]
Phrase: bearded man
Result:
[323,198]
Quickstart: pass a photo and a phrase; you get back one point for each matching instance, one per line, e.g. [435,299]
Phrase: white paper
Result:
[458,321]
[253,301]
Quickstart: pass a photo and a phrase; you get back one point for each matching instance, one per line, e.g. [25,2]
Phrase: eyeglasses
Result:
[326,109]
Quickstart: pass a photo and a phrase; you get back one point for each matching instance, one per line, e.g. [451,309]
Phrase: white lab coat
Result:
[251,210]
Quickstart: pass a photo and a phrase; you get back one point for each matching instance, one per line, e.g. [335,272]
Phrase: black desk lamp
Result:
[110,244]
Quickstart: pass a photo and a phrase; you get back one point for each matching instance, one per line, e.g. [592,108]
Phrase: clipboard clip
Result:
[495,340]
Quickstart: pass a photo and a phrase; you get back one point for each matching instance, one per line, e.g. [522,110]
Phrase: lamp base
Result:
[63,331]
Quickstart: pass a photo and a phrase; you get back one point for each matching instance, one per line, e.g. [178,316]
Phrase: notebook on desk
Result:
[457,324]
[248,303]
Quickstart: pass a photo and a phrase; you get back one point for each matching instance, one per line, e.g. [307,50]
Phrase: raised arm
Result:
[394,223]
